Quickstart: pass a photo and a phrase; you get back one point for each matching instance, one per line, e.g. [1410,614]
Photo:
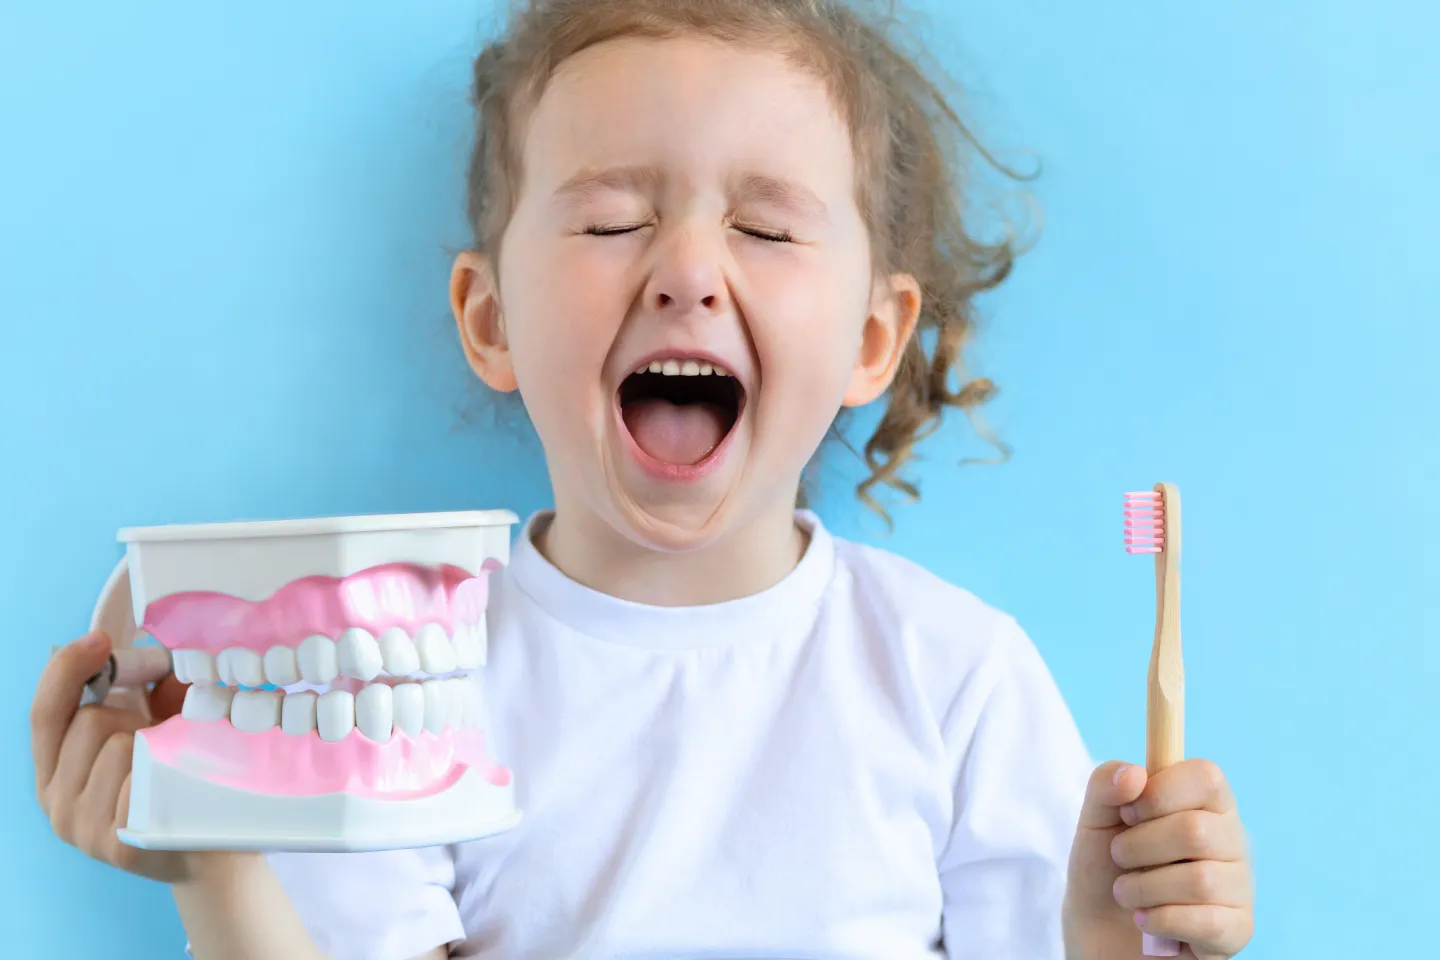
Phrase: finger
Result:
[1188,785]
[1111,786]
[1207,929]
[95,807]
[57,697]
[1216,882]
[129,699]
[142,665]
[122,800]
[1189,835]
[117,852]
[1091,869]
[167,698]
[89,730]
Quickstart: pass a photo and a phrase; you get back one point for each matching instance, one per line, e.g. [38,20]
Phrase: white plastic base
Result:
[174,810]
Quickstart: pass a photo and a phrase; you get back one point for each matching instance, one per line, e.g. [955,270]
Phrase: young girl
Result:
[704,227]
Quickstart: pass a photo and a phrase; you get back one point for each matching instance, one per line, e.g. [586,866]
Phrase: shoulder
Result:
[973,664]
[969,663]
[955,642]
[913,601]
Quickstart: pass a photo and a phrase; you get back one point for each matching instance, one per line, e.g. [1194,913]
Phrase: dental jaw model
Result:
[336,670]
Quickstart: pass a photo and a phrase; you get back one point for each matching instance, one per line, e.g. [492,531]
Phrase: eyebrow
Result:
[755,188]
[585,184]
[787,194]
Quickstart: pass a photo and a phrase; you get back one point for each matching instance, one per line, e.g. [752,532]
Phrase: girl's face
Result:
[692,205]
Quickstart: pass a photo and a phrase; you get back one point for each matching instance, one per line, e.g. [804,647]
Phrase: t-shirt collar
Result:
[604,617]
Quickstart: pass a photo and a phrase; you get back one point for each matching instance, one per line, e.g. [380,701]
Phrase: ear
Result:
[475,301]
[894,309]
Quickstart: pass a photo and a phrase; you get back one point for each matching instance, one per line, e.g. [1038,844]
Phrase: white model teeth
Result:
[436,653]
[205,703]
[398,653]
[335,715]
[359,655]
[470,646]
[472,708]
[684,368]
[438,705]
[255,711]
[280,667]
[195,666]
[375,711]
[408,706]
[318,662]
[317,659]
[238,665]
[297,713]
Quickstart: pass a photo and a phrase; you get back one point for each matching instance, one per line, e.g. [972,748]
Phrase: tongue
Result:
[675,433]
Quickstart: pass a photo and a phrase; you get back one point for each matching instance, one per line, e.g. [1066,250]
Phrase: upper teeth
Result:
[357,654]
[686,368]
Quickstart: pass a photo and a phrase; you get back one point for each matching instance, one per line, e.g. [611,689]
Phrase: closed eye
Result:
[774,236]
[614,231]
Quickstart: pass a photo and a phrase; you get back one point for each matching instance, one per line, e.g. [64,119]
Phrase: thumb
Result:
[74,665]
[57,698]
[1092,868]
[81,659]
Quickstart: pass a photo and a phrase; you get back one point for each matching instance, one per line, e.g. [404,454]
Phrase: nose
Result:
[687,278]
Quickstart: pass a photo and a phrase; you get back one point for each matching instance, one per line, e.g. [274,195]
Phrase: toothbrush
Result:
[1152,525]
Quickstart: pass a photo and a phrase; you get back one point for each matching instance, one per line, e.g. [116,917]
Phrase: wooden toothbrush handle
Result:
[1165,726]
[1165,706]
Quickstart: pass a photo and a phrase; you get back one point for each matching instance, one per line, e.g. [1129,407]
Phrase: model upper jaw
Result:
[384,650]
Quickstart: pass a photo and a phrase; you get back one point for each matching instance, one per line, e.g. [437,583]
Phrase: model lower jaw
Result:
[275,763]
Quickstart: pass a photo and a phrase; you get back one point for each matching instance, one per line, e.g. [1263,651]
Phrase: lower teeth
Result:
[379,710]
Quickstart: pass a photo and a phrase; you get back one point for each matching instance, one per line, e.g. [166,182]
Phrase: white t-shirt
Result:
[854,763]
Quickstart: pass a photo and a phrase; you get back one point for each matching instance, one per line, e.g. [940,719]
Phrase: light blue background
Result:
[224,236]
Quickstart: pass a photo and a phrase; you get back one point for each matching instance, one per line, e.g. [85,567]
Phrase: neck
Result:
[747,561]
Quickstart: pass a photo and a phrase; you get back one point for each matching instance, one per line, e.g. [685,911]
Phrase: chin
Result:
[672,521]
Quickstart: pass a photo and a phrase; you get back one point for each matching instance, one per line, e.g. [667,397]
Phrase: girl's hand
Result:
[1165,855]
[82,756]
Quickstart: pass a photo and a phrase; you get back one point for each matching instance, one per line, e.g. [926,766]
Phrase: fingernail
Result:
[1120,773]
[1140,918]
[1128,814]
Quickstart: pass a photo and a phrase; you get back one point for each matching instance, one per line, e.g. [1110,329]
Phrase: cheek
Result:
[559,333]
[810,338]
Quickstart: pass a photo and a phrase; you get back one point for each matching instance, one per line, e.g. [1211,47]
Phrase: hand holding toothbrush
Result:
[1163,855]
[1161,847]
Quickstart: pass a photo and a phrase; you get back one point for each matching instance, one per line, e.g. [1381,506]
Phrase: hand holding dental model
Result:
[82,753]
[334,700]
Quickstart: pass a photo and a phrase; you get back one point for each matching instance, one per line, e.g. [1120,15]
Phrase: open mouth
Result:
[679,411]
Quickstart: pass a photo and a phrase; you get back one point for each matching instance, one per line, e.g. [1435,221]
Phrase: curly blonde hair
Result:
[914,157]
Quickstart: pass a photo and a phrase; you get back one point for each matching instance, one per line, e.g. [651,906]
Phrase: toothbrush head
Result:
[1145,522]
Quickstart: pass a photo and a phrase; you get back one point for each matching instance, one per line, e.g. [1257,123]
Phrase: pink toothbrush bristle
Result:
[1144,522]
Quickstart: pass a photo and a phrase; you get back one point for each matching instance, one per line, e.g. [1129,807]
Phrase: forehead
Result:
[695,107]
